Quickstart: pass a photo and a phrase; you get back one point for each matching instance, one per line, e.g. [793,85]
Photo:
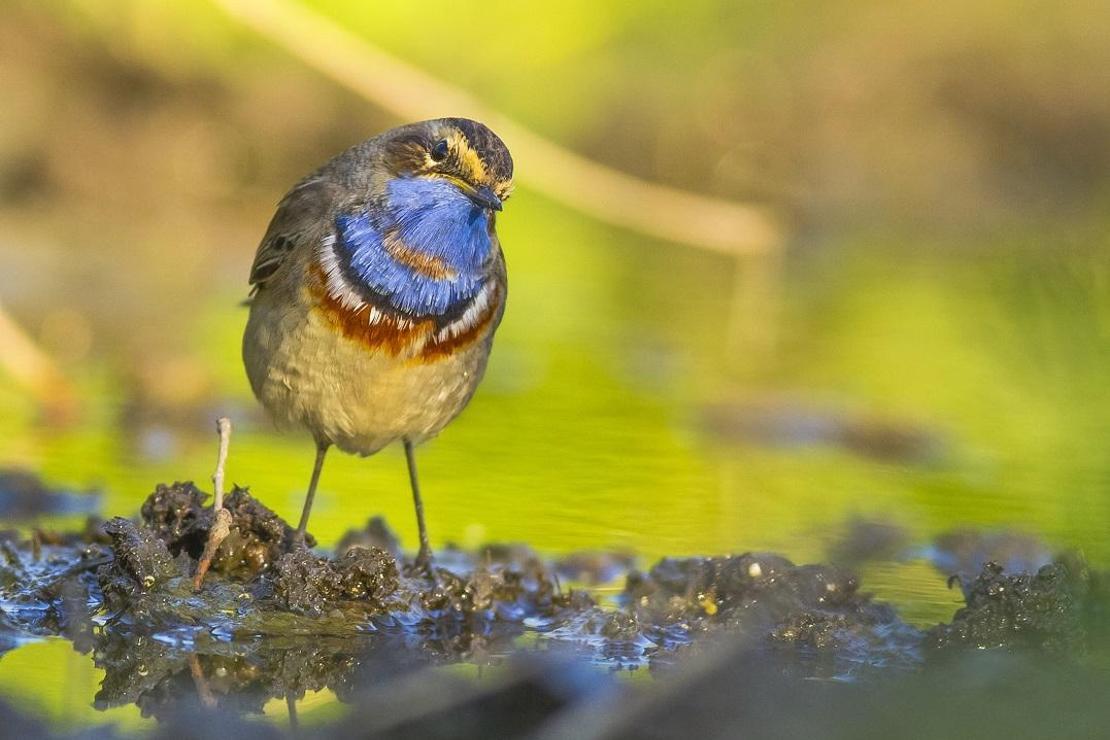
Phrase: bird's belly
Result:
[307,374]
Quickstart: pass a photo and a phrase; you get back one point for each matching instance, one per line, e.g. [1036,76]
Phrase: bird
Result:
[376,292]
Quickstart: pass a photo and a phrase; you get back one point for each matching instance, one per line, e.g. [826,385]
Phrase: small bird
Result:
[377,290]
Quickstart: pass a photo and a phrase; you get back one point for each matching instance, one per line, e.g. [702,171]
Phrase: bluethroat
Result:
[377,290]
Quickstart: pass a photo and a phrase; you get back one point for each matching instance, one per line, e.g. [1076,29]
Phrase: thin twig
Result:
[223,429]
[604,193]
[221,522]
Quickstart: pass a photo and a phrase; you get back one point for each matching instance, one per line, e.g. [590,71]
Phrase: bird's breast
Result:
[416,275]
[382,329]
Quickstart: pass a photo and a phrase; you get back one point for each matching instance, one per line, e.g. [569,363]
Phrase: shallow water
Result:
[644,397]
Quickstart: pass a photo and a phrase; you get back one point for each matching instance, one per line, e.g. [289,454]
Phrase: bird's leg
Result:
[294,722]
[424,556]
[321,450]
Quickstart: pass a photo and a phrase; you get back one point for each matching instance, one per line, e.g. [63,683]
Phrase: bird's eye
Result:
[439,151]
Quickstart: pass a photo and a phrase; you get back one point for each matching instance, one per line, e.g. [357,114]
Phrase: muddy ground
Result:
[733,641]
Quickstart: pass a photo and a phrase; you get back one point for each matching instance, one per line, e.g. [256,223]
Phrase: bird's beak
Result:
[485,197]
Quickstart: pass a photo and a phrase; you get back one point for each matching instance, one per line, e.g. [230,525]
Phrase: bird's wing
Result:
[296,221]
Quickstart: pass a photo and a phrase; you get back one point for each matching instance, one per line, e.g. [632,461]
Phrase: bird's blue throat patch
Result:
[432,218]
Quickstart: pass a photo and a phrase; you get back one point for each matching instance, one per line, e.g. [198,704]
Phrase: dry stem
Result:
[221,522]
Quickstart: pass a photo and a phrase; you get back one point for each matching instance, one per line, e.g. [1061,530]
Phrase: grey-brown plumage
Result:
[377,290]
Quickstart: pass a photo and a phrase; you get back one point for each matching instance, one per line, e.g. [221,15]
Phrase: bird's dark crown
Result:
[454,149]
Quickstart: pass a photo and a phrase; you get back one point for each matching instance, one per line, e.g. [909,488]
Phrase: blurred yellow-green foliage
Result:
[942,169]
[931,347]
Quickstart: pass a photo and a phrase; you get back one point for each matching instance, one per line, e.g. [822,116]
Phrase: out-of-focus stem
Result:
[35,371]
[602,192]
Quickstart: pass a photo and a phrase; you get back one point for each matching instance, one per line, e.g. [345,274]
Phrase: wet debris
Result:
[44,588]
[815,609]
[237,678]
[178,514]
[1044,610]
[275,620]
[310,584]
[141,559]
[23,495]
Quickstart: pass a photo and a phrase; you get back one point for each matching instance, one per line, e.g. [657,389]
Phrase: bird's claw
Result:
[297,543]
[422,566]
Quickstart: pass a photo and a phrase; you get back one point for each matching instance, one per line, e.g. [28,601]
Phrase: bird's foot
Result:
[298,542]
[424,567]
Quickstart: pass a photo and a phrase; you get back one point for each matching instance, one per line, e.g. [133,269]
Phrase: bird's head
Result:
[459,151]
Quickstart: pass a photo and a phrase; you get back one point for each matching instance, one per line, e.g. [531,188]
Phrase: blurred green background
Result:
[930,344]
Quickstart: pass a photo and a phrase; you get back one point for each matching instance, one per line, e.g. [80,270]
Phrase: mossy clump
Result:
[309,584]
[141,563]
[775,603]
[1042,610]
[178,514]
